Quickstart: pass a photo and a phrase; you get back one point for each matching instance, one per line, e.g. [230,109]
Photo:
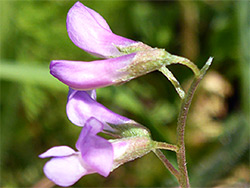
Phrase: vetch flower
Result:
[82,75]
[90,75]
[89,31]
[94,154]
[82,105]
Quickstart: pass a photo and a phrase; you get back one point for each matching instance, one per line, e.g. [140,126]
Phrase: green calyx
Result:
[144,62]
[137,139]
[131,129]
[136,47]
[148,59]
[136,147]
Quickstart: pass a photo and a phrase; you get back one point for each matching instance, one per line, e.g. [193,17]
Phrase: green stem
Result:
[166,162]
[186,62]
[166,146]
[181,156]
[173,80]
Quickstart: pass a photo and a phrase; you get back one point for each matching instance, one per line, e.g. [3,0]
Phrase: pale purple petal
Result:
[80,107]
[66,171]
[96,151]
[90,75]
[57,151]
[88,30]
[92,128]
[98,18]
[119,148]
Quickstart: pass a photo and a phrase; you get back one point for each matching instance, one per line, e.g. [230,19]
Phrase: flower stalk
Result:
[166,146]
[186,62]
[181,156]
[179,148]
[167,163]
[173,80]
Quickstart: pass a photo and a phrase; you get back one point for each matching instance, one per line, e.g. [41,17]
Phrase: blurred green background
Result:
[33,117]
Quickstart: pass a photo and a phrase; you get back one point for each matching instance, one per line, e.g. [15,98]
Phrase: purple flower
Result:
[90,75]
[67,166]
[101,73]
[95,155]
[89,30]
[81,106]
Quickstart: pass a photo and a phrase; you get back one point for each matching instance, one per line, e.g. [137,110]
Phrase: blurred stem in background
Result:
[243,8]
[189,29]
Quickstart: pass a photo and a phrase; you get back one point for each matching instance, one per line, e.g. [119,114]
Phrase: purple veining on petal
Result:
[88,30]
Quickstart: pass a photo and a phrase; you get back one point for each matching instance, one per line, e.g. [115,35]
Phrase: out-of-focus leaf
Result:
[29,74]
[243,9]
[34,99]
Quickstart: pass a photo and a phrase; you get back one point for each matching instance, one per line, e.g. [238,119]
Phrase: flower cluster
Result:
[124,60]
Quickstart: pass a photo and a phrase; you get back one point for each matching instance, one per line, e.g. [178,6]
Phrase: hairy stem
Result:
[181,156]
[166,162]
[186,62]
[166,146]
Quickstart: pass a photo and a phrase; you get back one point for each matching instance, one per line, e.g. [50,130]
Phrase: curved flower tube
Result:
[89,31]
[81,106]
[90,75]
[101,73]
[95,155]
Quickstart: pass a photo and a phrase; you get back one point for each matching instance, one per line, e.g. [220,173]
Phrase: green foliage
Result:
[32,105]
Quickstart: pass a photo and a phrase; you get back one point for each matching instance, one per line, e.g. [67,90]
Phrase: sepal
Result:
[131,149]
[134,142]
[144,62]
[134,47]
